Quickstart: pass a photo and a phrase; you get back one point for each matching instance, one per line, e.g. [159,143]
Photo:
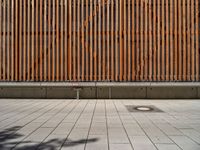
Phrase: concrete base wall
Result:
[102,91]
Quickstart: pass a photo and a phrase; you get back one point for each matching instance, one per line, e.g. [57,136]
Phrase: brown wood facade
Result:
[99,40]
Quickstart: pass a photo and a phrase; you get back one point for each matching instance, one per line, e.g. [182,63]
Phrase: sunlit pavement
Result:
[99,125]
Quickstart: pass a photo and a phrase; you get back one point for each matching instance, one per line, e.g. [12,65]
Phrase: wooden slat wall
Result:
[99,40]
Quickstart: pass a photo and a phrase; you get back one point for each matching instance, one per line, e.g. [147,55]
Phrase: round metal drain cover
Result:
[144,108]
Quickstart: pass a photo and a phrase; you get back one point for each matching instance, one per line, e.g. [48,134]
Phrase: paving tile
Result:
[167,147]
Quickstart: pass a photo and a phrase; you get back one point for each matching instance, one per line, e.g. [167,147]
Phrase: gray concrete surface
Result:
[98,125]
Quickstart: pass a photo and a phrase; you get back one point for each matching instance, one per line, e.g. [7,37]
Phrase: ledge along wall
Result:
[99,40]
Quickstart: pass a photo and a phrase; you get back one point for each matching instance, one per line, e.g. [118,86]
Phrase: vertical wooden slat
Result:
[57,41]
[197,39]
[124,42]
[108,39]
[8,40]
[49,40]
[28,41]
[86,38]
[45,40]
[129,40]
[133,40]
[158,42]
[184,41]
[176,39]
[4,40]
[141,40]
[61,37]
[70,40]
[32,41]
[99,41]
[116,41]
[188,40]
[150,62]
[95,40]
[53,41]
[192,41]
[167,40]
[12,40]
[36,40]
[103,44]
[0,40]
[171,39]
[146,24]
[78,40]
[20,39]
[91,39]
[137,40]
[180,38]
[65,28]
[24,41]
[163,41]
[154,40]
[120,38]
[83,40]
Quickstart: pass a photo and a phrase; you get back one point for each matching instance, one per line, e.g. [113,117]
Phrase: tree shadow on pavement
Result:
[9,138]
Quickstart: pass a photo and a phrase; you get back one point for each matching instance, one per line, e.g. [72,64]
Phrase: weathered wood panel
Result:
[99,40]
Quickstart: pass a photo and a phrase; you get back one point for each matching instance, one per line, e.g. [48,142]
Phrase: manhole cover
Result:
[144,108]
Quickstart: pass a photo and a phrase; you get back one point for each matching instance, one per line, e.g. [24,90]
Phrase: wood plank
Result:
[171,40]
[53,41]
[133,40]
[12,41]
[86,43]
[78,40]
[65,28]
[32,41]
[163,41]
[4,41]
[197,39]
[24,41]
[158,42]
[176,40]
[83,40]
[141,40]
[146,49]
[167,55]
[154,40]
[36,40]
[125,41]
[29,41]
[180,38]
[103,44]
[188,40]
[45,41]
[99,41]
[129,40]
[192,41]
[8,40]
[150,62]
[184,42]
[95,41]
[57,42]
[91,39]
[117,42]
[120,38]
[61,37]
[49,40]
[137,41]
[70,41]
[20,39]
[108,40]
[1,40]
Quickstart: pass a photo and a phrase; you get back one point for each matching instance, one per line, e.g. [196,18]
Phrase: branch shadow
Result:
[10,134]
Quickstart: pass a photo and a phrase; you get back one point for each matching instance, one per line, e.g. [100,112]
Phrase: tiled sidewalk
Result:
[98,125]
